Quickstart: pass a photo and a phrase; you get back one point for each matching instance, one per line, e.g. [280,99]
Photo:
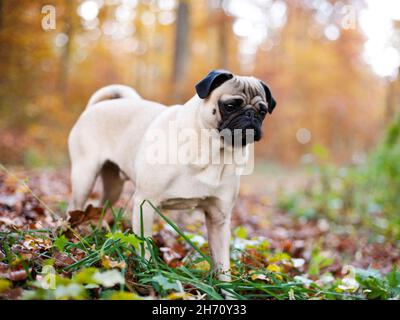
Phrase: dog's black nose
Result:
[249,114]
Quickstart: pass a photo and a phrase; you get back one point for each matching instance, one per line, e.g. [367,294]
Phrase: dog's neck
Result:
[193,108]
[190,118]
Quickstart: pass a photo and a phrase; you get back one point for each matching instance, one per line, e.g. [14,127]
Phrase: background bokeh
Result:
[332,66]
[322,207]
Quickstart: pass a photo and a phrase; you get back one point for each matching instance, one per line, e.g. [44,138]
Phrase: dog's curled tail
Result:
[115,91]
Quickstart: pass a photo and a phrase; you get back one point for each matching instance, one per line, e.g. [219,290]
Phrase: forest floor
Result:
[275,254]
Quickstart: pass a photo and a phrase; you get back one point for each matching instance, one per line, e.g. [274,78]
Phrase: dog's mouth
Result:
[241,130]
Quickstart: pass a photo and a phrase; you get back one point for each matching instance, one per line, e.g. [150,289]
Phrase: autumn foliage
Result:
[47,78]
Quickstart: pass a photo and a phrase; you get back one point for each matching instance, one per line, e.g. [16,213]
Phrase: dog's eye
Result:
[230,107]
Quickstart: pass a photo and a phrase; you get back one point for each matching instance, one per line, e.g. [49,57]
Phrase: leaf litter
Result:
[93,254]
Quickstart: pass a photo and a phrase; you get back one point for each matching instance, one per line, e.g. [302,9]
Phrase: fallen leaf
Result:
[36,243]
[78,217]
[17,275]
[259,276]
[62,260]
[109,279]
[165,283]
[180,296]
[298,263]
[4,285]
[202,265]
[169,255]
[109,263]
[122,295]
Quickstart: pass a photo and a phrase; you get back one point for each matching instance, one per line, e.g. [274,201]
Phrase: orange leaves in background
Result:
[322,87]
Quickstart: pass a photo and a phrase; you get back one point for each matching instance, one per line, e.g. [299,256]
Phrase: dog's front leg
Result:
[219,235]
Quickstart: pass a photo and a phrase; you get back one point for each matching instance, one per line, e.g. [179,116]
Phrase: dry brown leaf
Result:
[169,255]
[12,273]
[62,260]
[79,217]
[109,263]
[35,243]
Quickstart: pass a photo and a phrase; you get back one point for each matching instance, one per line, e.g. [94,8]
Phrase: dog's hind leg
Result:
[112,183]
[83,176]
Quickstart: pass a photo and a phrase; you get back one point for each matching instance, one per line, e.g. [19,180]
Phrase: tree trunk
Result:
[1,13]
[181,47]
[222,38]
[392,100]
[66,53]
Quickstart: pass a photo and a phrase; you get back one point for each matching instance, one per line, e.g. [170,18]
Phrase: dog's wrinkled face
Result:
[239,105]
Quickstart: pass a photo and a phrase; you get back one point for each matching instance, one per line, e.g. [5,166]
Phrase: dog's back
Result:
[106,132]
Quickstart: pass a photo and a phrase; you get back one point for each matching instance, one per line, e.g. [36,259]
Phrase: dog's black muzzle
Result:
[242,129]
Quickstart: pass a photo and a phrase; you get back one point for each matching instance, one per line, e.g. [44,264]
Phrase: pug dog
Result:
[115,136]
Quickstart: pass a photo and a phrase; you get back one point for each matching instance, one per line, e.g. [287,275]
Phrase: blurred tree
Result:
[321,85]
[221,20]
[393,91]
[181,47]
[1,14]
[25,62]
[69,12]
[320,101]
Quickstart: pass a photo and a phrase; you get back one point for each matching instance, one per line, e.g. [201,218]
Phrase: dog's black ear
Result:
[213,80]
[270,99]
